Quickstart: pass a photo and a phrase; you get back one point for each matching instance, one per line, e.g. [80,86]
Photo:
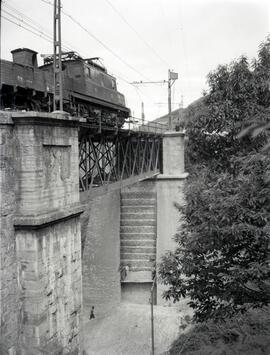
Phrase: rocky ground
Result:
[127,330]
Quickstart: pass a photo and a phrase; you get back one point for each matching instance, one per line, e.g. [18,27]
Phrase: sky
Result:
[140,40]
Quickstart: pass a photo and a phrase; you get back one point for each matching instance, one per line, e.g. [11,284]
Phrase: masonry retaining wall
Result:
[101,253]
[49,277]
[41,293]
[9,295]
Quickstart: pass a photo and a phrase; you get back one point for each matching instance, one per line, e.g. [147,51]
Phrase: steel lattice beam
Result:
[108,157]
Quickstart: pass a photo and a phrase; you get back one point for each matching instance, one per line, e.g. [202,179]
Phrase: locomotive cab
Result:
[88,90]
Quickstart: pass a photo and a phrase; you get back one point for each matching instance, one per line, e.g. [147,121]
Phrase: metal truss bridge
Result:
[112,157]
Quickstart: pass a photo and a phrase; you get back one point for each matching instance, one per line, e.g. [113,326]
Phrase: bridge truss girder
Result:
[109,157]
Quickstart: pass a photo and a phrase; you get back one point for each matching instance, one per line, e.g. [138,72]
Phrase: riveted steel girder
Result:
[107,157]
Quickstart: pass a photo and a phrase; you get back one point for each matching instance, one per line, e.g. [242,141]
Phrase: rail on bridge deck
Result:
[110,157]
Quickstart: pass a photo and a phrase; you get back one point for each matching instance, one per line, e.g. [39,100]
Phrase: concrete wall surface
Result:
[101,253]
[173,154]
[169,192]
[136,292]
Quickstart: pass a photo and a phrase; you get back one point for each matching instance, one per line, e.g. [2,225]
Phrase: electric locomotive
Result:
[88,90]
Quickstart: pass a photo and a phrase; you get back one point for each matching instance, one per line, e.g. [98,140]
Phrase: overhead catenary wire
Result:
[137,33]
[48,40]
[26,23]
[39,31]
[27,29]
[42,31]
[24,16]
[34,26]
[185,52]
[98,40]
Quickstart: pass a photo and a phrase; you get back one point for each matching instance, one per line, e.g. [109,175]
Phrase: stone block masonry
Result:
[49,276]
[42,222]
[47,164]
[9,298]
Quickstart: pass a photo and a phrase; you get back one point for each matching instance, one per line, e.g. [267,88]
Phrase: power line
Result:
[27,29]
[33,25]
[26,24]
[27,18]
[137,33]
[34,29]
[37,30]
[97,40]
[46,38]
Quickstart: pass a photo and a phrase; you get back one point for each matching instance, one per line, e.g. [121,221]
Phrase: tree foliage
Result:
[222,261]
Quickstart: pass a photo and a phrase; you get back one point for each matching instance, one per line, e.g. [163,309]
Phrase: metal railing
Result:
[139,125]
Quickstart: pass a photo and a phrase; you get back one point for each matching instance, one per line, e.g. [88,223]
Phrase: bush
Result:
[222,258]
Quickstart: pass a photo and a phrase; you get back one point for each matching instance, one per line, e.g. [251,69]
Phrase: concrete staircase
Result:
[138,234]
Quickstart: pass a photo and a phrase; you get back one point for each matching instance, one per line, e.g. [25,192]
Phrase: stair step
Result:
[139,276]
[138,243]
[138,264]
[137,208]
[137,229]
[138,202]
[138,249]
[140,268]
[138,222]
[145,214]
[138,256]
[137,236]
[138,194]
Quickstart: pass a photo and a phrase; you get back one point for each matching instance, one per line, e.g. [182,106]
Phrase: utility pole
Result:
[172,76]
[169,101]
[171,80]
[57,58]
[143,115]
[152,314]
[1,52]
[182,102]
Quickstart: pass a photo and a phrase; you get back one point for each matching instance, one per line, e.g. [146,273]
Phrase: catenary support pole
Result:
[57,57]
[169,101]
[172,76]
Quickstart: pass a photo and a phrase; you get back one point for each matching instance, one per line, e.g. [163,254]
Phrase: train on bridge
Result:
[88,90]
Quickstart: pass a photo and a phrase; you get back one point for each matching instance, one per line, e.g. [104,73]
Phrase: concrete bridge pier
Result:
[41,291]
[170,190]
